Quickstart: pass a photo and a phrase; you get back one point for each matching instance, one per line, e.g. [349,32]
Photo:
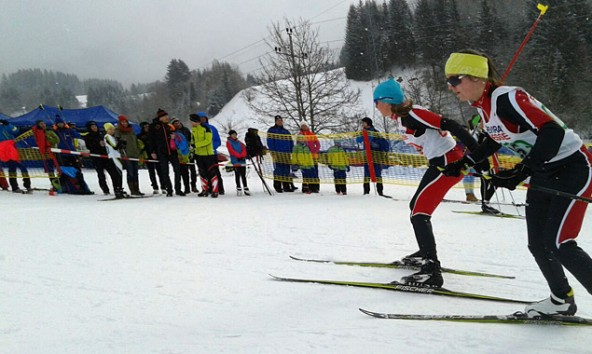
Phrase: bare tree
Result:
[297,82]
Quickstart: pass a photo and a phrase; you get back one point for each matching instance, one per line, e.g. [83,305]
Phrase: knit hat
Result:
[108,126]
[277,117]
[232,132]
[161,113]
[143,124]
[58,119]
[202,114]
[367,121]
[467,64]
[91,123]
[175,119]
[389,91]
[194,118]
[121,118]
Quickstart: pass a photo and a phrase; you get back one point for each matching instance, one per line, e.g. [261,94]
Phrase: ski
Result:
[401,265]
[126,197]
[396,286]
[515,318]
[479,203]
[498,215]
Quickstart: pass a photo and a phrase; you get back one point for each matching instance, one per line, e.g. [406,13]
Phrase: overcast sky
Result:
[134,40]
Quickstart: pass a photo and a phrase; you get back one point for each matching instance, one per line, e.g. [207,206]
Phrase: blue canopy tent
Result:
[4,116]
[99,114]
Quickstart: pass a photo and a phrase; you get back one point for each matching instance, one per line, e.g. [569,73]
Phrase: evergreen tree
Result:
[354,54]
[399,31]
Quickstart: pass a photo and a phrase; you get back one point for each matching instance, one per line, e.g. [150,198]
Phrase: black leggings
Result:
[240,173]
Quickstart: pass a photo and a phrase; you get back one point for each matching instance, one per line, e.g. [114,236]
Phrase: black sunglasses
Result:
[454,80]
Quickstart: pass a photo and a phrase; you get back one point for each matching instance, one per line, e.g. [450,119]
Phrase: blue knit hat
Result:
[202,114]
[389,92]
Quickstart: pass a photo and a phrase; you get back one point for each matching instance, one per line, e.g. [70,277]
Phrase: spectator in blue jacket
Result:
[216,141]
[373,137]
[10,132]
[66,142]
[280,145]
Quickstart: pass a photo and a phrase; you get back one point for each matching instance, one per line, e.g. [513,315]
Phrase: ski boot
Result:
[553,305]
[429,276]
[414,259]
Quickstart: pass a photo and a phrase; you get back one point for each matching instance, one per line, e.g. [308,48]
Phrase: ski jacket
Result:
[302,157]
[253,142]
[112,152]
[279,139]
[312,142]
[130,148]
[516,120]
[93,142]
[237,151]
[216,141]
[430,134]
[337,158]
[160,138]
[201,140]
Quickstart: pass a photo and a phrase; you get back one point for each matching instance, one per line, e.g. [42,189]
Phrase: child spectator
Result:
[337,161]
[238,155]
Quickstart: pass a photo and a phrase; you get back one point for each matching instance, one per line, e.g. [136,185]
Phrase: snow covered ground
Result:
[190,275]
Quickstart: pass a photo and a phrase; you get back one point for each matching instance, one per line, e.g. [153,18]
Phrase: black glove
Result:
[511,178]
[4,121]
[454,169]
[482,166]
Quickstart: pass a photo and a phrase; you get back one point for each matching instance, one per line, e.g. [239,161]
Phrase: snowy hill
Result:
[190,275]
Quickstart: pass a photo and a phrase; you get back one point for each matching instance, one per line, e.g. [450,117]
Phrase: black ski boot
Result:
[414,259]
[429,276]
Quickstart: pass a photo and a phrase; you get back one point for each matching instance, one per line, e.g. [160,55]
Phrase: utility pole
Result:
[294,61]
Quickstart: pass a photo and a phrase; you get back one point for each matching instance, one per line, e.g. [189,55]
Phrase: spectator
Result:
[314,146]
[160,143]
[337,161]
[280,144]
[216,144]
[182,137]
[128,147]
[95,143]
[112,147]
[302,159]
[152,167]
[238,155]
[9,132]
[373,137]
[45,140]
[203,148]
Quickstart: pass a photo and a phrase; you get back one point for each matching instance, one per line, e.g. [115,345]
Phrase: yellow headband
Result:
[467,64]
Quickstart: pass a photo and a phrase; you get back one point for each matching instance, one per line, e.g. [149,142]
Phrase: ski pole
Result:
[543,9]
[558,193]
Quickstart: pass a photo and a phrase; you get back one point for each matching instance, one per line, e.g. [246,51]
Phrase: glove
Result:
[347,169]
[4,121]
[294,168]
[455,168]
[482,166]
[511,178]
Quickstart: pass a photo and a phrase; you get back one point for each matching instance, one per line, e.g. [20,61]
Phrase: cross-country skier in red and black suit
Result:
[430,134]
[554,158]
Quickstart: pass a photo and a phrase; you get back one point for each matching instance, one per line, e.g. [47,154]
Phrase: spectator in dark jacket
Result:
[96,145]
[152,167]
[160,138]
[280,144]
